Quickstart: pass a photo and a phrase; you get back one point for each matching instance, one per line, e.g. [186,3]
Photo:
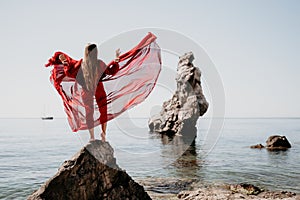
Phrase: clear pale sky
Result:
[254,45]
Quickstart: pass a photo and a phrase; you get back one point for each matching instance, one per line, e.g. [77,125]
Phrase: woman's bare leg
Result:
[103,134]
[101,100]
[92,135]
[87,98]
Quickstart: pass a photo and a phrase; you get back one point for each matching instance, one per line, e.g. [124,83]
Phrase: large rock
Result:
[180,114]
[277,142]
[91,174]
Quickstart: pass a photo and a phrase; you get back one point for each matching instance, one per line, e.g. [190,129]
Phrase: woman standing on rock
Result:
[89,78]
[94,93]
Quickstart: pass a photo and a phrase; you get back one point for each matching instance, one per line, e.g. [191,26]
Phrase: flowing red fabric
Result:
[121,86]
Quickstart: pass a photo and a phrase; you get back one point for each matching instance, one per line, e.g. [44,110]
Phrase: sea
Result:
[32,149]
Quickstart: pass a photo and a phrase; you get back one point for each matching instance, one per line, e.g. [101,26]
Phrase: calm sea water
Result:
[33,149]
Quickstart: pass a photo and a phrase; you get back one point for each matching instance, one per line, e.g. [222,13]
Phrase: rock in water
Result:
[257,146]
[277,142]
[91,174]
[180,114]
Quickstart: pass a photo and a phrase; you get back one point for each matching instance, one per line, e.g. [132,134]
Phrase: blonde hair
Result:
[90,66]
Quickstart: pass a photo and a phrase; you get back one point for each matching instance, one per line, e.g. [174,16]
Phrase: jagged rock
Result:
[180,114]
[277,142]
[91,174]
[245,188]
[257,146]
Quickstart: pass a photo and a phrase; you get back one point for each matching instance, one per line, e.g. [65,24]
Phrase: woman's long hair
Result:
[90,66]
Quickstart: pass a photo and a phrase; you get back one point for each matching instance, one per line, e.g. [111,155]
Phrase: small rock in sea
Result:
[277,142]
[257,146]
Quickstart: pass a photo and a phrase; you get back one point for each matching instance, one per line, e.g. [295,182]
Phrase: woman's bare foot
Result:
[103,136]
[92,135]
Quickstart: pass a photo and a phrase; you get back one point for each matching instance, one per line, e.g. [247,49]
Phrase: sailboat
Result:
[46,117]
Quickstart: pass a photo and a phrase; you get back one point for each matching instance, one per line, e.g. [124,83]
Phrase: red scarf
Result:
[121,86]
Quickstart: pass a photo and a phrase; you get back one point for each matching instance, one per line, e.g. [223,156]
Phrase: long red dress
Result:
[121,86]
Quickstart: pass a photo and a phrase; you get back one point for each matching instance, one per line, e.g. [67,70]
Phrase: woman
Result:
[94,93]
[91,71]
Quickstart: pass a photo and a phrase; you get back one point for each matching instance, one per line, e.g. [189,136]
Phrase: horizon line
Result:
[264,117]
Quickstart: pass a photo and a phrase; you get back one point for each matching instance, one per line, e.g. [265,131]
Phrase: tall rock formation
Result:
[179,115]
[91,174]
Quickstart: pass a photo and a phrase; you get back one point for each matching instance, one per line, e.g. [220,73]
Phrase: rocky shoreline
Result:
[93,173]
[227,192]
[172,189]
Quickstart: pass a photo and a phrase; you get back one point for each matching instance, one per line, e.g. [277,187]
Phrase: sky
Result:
[254,46]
